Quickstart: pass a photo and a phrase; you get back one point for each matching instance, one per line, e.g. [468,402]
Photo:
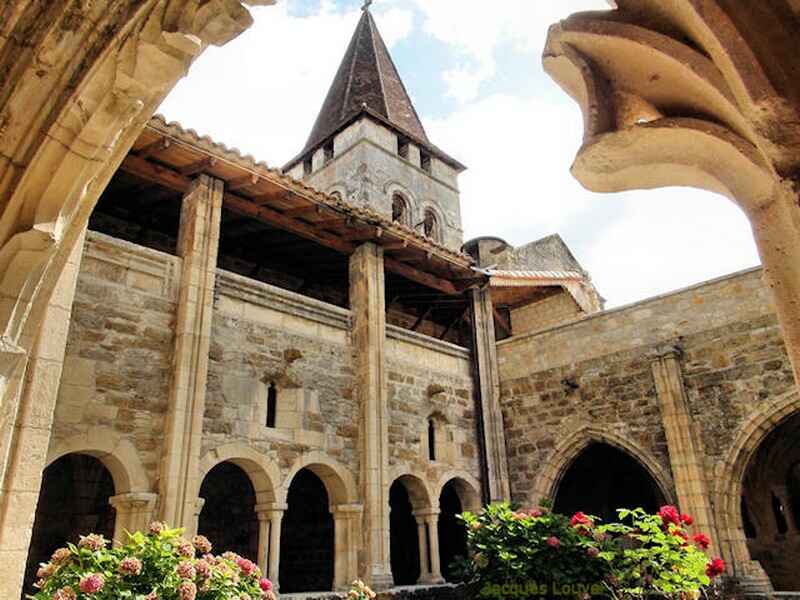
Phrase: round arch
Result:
[419,492]
[465,485]
[262,472]
[117,454]
[338,480]
[550,476]
[731,470]
[440,223]
[412,202]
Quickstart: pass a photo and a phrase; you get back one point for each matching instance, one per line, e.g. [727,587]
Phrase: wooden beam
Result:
[136,165]
[394,246]
[161,144]
[201,165]
[420,277]
[421,318]
[453,324]
[363,234]
[303,211]
[245,181]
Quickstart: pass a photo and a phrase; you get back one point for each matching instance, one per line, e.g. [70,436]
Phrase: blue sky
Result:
[474,72]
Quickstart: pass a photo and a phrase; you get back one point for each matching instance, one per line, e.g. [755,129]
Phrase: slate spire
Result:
[367,81]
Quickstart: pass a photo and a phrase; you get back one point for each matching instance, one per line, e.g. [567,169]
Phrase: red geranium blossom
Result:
[579,519]
[715,568]
[669,514]
[687,520]
[702,540]
[554,542]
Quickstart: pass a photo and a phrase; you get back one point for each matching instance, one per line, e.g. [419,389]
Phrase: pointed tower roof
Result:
[367,82]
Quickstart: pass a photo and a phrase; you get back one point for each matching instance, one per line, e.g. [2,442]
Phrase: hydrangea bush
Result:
[524,554]
[360,591]
[158,565]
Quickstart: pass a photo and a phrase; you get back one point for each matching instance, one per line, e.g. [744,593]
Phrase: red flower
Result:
[248,567]
[266,585]
[535,513]
[669,514]
[681,534]
[687,520]
[715,568]
[554,542]
[592,552]
[92,584]
[702,540]
[579,519]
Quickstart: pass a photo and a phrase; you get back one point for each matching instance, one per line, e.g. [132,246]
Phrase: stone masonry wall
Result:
[429,378]
[734,365]
[119,352]
[552,310]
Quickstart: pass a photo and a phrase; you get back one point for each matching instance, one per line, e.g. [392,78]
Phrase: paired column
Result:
[270,517]
[134,513]
[428,531]
[29,441]
[368,304]
[347,521]
[684,453]
[198,242]
[494,440]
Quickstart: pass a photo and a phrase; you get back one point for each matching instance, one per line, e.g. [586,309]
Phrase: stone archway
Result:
[74,500]
[602,479]
[456,496]
[751,461]
[565,453]
[410,530]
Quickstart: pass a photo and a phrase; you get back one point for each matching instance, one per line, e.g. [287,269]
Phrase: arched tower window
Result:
[400,211]
[431,439]
[272,405]
[430,224]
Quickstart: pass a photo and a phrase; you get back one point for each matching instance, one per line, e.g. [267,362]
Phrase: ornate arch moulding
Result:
[695,93]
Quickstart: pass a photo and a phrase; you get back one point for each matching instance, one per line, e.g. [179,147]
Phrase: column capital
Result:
[133,500]
[427,512]
[271,509]
[345,510]
[666,351]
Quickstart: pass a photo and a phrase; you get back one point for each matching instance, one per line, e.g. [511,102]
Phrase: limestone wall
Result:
[429,378]
[734,367]
[116,377]
[543,314]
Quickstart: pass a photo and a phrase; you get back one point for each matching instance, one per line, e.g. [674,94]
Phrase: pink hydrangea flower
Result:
[203,569]
[93,542]
[231,556]
[185,570]
[156,527]
[669,514]
[248,567]
[202,544]
[91,584]
[151,596]
[187,590]
[554,542]
[61,556]
[65,593]
[185,548]
[45,571]
[265,584]
[130,566]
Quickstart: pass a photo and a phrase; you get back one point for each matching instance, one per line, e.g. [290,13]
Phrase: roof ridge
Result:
[373,31]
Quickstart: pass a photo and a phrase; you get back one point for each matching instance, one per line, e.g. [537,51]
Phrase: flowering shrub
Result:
[159,565]
[525,554]
[360,591]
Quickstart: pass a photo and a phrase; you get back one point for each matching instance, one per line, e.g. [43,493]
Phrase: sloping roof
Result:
[576,283]
[368,83]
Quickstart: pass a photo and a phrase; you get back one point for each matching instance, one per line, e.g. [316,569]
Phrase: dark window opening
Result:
[272,405]
[430,224]
[603,479]
[404,537]
[329,151]
[402,147]
[229,518]
[308,165]
[307,542]
[779,512]
[747,519]
[399,209]
[452,534]
[73,501]
[431,440]
[425,161]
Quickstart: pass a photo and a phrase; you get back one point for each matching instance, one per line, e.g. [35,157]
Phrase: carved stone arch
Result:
[117,454]
[338,188]
[729,474]
[412,202]
[466,486]
[419,491]
[441,220]
[550,476]
[262,472]
[338,480]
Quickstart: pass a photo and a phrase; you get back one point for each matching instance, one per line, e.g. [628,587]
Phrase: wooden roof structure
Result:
[169,156]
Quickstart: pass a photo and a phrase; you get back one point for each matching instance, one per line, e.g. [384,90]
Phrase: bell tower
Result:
[369,147]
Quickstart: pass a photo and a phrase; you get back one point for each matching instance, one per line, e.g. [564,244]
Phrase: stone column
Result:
[198,242]
[685,453]
[194,527]
[424,564]
[430,517]
[134,513]
[494,441]
[32,424]
[368,305]
[346,519]
[270,517]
